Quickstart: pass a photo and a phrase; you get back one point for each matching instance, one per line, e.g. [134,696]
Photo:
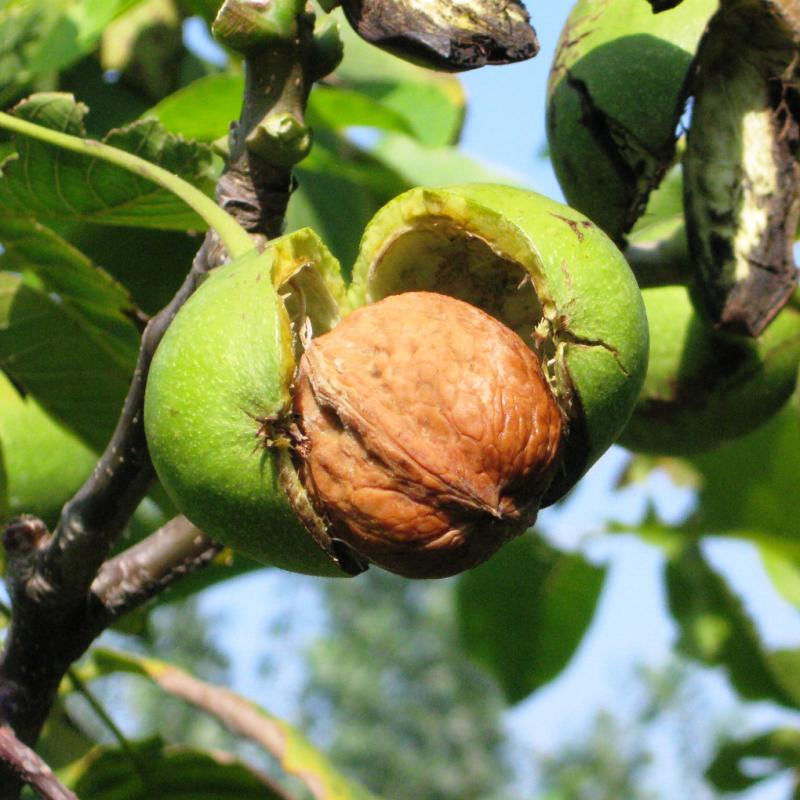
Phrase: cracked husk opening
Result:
[308,282]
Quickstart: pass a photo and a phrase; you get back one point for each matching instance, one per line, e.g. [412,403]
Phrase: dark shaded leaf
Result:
[150,769]
[62,740]
[727,772]
[64,271]
[150,263]
[716,630]
[525,611]
[72,367]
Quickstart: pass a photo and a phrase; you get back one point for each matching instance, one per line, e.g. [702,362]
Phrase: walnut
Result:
[429,433]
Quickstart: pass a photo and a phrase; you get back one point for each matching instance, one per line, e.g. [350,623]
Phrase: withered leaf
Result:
[446,34]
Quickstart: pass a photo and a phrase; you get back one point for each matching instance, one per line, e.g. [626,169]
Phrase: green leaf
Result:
[297,756]
[727,772]
[150,769]
[433,111]
[73,368]
[42,38]
[338,108]
[203,110]
[50,182]
[63,270]
[783,569]
[397,97]
[420,165]
[432,103]
[151,264]
[716,630]
[525,611]
[751,483]
[62,740]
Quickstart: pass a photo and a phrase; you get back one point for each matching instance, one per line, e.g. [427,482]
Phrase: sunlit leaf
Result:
[751,483]
[433,103]
[297,756]
[51,182]
[434,166]
[525,611]
[339,108]
[204,109]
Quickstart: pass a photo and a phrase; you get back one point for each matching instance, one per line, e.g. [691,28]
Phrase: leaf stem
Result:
[233,235]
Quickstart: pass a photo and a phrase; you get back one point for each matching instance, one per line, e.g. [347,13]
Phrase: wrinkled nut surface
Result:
[429,433]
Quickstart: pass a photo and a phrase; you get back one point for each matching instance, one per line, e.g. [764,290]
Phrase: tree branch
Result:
[62,595]
[30,768]
[147,568]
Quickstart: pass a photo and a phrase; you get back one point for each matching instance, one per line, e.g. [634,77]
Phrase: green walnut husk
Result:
[218,400]
[446,35]
[704,388]
[542,268]
[218,409]
[741,174]
[615,96]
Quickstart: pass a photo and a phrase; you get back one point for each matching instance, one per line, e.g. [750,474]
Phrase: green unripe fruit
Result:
[233,447]
[704,388]
[615,96]
[545,270]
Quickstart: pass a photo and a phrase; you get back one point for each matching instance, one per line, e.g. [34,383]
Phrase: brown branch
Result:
[63,595]
[30,769]
[55,618]
[93,519]
[150,566]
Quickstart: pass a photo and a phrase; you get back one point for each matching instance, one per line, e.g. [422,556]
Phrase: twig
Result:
[62,593]
[242,718]
[30,768]
[145,569]
[92,521]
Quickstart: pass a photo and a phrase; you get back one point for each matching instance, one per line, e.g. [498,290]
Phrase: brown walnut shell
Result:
[428,433]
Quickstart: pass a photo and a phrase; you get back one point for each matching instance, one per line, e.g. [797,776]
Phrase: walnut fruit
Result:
[615,96]
[703,387]
[489,347]
[430,433]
